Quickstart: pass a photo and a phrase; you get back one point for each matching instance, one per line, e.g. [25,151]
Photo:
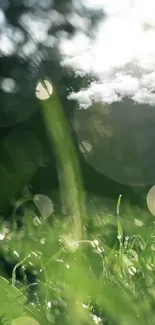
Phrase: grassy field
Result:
[93,264]
[106,278]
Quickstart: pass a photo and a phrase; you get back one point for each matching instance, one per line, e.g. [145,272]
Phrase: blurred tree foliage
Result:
[30,35]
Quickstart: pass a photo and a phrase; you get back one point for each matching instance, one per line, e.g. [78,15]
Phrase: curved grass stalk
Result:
[71,186]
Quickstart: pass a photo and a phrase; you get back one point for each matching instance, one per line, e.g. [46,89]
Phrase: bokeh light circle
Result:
[24,321]
[118,140]
[151,200]
[44,89]
[44,205]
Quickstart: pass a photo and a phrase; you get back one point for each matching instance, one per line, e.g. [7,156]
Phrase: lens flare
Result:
[44,89]
[151,200]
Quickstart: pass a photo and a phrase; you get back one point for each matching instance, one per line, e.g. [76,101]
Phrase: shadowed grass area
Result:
[20,159]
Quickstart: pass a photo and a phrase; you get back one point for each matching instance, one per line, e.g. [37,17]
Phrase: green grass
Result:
[110,279]
[93,266]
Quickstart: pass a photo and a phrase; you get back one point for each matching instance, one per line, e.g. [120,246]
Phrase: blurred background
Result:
[113,129]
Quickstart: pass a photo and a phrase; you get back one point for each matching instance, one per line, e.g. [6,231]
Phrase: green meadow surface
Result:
[91,261]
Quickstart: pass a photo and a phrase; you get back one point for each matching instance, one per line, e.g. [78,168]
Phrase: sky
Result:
[121,57]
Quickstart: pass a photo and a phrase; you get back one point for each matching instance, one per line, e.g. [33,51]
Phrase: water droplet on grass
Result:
[96,319]
[15,253]
[138,222]
[42,241]
[49,304]
[132,270]
[85,146]
[36,221]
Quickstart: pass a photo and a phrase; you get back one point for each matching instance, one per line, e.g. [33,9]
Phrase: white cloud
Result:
[109,6]
[2,17]
[7,47]
[122,56]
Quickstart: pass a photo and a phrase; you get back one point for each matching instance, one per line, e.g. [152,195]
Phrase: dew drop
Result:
[132,270]
[138,222]
[42,241]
